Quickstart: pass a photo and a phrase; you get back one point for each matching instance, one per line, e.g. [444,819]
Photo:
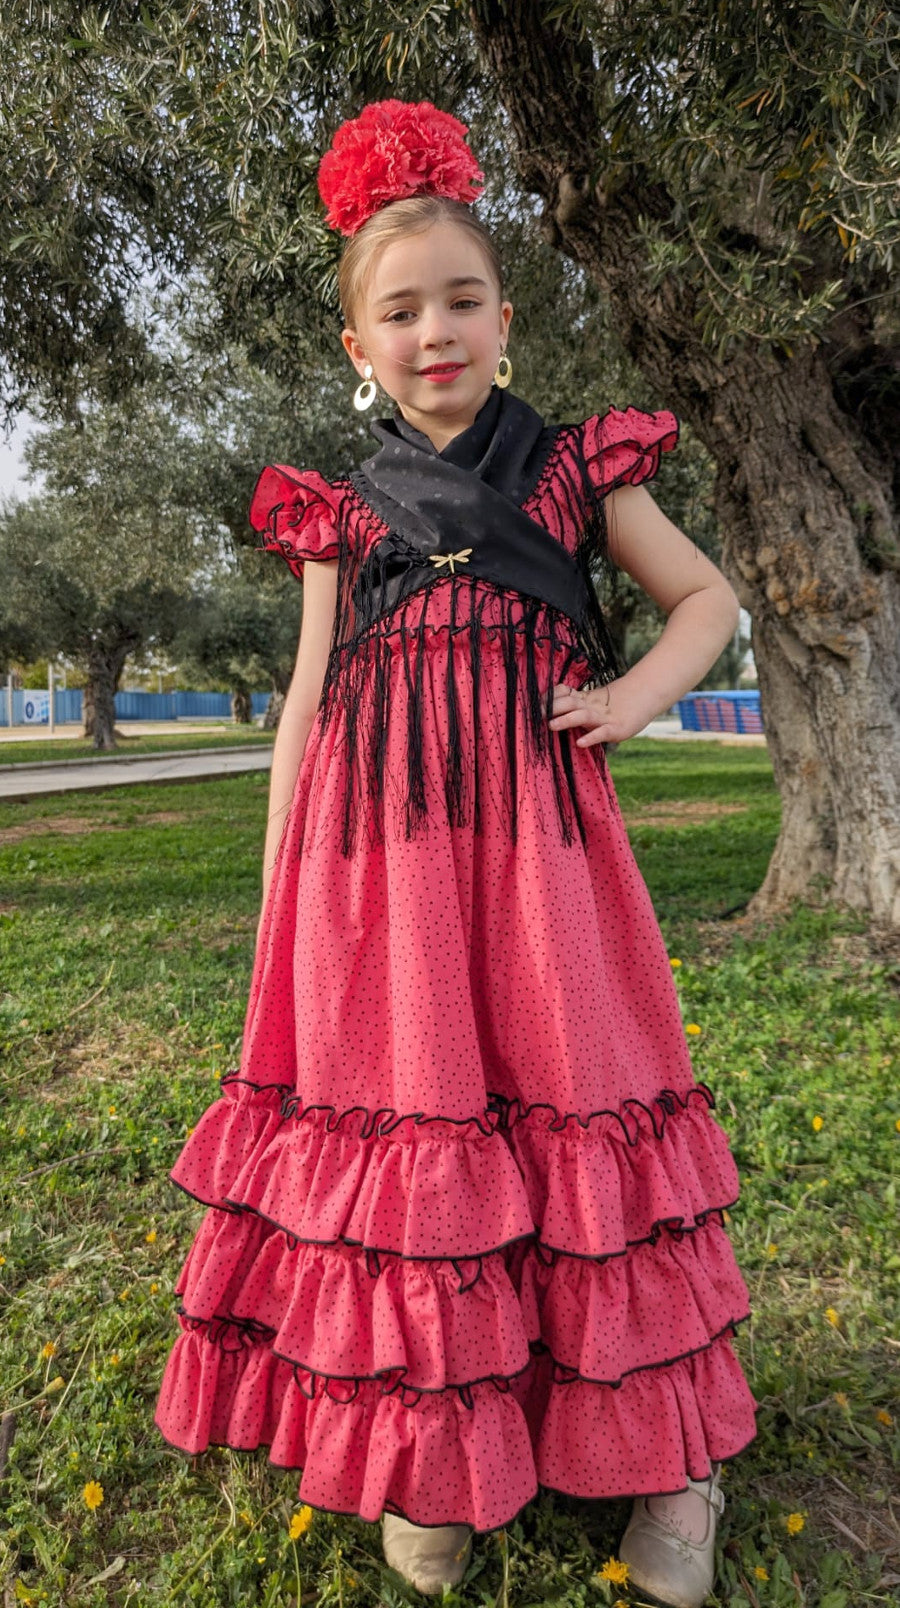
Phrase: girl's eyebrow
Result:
[449,284]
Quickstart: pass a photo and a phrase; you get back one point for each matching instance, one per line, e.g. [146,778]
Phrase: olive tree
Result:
[724,175]
[102,560]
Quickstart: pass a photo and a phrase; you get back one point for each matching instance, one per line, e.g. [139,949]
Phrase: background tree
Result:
[103,560]
[243,630]
[97,603]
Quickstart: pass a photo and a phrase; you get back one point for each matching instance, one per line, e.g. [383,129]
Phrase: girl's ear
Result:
[356,352]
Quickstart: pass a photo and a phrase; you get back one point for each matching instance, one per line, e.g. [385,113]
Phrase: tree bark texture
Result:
[280,684]
[804,490]
[105,663]
[241,706]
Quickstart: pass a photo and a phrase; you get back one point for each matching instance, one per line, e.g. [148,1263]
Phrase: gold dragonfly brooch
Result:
[462,557]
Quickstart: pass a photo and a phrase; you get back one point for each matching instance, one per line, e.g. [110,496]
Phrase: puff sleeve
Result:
[295,511]
[624,448]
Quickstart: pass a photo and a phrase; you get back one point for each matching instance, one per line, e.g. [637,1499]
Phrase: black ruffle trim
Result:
[246,1332]
[503,1113]
[547,1253]
[391,1507]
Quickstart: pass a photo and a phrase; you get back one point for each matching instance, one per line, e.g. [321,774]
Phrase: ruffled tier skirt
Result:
[464,1232]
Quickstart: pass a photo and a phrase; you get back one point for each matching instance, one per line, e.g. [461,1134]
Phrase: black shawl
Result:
[466,499]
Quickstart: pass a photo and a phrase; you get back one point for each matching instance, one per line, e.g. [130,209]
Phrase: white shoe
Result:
[430,1557]
[663,1562]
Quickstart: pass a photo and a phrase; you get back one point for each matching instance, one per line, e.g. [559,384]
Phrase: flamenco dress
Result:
[464,1234]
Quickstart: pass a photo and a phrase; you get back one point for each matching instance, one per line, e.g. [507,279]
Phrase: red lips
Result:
[441,368]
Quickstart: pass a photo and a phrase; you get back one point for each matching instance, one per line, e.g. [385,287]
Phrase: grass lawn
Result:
[37,749]
[127,923]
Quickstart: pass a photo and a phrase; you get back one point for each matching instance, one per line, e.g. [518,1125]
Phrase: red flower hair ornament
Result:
[392,150]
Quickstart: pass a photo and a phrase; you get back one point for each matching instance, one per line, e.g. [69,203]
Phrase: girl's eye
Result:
[403,313]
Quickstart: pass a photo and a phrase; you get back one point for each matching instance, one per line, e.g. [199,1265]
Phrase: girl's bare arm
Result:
[702,609]
[301,702]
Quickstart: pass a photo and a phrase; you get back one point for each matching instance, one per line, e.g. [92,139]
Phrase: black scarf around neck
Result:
[504,446]
[468,495]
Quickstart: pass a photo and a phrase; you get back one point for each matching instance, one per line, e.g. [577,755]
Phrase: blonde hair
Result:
[411,216]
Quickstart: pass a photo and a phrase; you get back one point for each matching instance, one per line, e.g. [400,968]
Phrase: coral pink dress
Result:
[465,1197]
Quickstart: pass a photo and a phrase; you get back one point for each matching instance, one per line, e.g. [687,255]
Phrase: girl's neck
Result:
[441,430]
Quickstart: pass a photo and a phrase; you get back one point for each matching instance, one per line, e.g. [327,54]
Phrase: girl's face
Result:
[432,325]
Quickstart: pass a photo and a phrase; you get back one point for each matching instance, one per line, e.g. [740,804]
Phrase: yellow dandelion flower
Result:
[897,1125]
[620,1603]
[693,1029]
[794,1523]
[154,1288]
[49,1350]
[818,1124]
[842,1398]
[2,1261]
[115,1359]
[245,1516]
[615,1570]
[674,962]
[151,1237]
[124,1294]
[760,1572]
[189,1131]
[300,1522]
[832,1317]
[21,1132]
[112,1111]
[884,1418]
[772,1249]
[93,1494]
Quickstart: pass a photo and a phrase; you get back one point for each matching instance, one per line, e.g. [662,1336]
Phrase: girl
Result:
[465,1197]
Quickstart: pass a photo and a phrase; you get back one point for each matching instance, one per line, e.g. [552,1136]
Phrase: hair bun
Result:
[392,150]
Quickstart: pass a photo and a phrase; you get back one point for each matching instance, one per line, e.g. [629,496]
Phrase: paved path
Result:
[73,730]
[76,776]
[79,775]
[672,729]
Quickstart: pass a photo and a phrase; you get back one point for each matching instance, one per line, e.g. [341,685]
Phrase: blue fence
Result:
[721,711]
[699,711]
[32,708]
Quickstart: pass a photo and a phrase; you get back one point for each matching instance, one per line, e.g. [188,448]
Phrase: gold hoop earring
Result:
[503,375]
[366,391]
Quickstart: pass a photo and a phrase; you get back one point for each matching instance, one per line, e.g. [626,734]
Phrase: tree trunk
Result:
[805,515]
[804,499]
[273,710]
[105,663]
[281,680]
[241,706]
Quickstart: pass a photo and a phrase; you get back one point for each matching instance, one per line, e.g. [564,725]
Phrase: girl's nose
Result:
[434,330]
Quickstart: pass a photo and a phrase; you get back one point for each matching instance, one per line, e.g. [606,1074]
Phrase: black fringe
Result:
[453,786]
